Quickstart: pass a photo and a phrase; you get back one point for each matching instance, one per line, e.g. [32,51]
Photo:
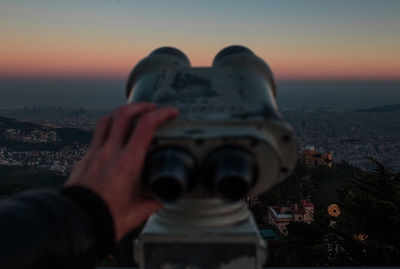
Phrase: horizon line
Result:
[117,77]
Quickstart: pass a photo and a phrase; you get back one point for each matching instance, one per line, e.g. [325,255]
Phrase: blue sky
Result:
[307,39]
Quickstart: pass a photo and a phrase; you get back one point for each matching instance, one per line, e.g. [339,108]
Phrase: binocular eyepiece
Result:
[170,173]
[229,139]
[230,172]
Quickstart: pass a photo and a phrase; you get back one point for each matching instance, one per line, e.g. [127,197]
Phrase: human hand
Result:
[113,164]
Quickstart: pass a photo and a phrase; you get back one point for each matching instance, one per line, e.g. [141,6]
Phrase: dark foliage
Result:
[14,179]
[9,123]
[303,246]
[70,136]
[370,206]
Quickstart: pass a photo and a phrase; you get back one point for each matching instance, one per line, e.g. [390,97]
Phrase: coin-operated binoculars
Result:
[228,141]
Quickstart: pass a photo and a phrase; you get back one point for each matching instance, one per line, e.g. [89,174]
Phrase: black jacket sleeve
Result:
[70,228]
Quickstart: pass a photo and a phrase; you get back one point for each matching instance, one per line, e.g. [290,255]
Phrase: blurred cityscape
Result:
[333,135]
[350,135]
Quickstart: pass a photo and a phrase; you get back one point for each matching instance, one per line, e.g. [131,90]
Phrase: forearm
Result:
[52,229]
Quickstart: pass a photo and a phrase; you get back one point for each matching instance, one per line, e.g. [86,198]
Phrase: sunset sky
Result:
[314,39]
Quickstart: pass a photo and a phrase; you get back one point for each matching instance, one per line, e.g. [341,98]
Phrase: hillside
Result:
[14,179]
[74,136]
[391,108]
[68,136]
[9,123]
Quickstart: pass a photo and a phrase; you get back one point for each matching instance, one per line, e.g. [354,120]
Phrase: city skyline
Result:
[306,40]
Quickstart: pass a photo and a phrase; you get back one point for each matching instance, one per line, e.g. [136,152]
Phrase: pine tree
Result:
[369,225]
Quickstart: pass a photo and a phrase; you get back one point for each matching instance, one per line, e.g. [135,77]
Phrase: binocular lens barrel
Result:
[169,173]
[229,51]
[164,57]
[171,51]
[231,172]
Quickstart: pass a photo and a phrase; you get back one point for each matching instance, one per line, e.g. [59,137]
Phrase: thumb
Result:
[138,212]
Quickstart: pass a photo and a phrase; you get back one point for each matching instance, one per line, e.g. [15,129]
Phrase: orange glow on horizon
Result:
[122,70]
[102,62]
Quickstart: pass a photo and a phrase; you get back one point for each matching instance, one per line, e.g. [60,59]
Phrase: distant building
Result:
[281,216]
[313,158]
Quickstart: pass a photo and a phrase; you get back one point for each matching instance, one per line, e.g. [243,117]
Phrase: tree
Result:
[291,190]
[365,233]
[304,244]
[371,208]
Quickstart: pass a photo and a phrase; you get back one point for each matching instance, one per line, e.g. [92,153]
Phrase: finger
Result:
[145,207]
[122,122]
[137,214]
[99,137]
[101,132]
[136,149]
